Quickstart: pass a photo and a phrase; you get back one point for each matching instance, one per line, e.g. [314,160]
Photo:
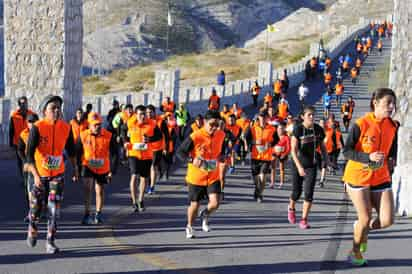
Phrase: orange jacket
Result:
[96,151]
[136,131]
[237,113]
[347,110]
[208,148]
[328,78]
[339,89]
[48,155]
[283,111]
[225,115]
[78,128]
[195,127]
[19,124]
[277,87]
[359,47]
[262,142]
[234,129]
[168,107]
[329,139]
[345,65]
[328,62]
[354,73]
[358,63]
[375,135]
[214,102]
[268,99]
[243,123]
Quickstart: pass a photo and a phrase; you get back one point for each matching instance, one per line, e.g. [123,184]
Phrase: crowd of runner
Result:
[213,144]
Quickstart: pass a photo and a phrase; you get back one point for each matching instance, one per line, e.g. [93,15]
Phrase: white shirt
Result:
[303,91]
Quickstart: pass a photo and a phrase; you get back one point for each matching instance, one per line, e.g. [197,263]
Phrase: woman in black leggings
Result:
[306,138]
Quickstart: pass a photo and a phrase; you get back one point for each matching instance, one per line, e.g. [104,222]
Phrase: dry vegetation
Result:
[201,69]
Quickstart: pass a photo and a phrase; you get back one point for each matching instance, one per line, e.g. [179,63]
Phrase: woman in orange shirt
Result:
[370,146]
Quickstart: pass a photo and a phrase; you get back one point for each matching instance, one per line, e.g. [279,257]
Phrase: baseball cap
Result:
[94,118]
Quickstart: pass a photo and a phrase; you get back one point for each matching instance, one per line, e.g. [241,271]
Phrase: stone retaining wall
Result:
[401,82]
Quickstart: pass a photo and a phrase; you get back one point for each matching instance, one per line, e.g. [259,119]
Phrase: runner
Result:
[313,67]
[234,150]
[225,113]
[205,148]
[95,146]
[339,90]
[354,75]
[339,76]
[277,90]
[21,152]
[260,138]
[307,136]
[140,132]
[171,145]
[370,145]
[18,122]
[182,120]
[121,124]
[303,91]
[244,123]
[47,140]
[280,152]
[283,108]
[268,99]
[157,147]
[168,106]
[333,143]
[380,46]
[328,79]
[214,101]
[197,124]
[78,125]
[255,93]
[327,102]
[347,112]
[236,110]
[358,64]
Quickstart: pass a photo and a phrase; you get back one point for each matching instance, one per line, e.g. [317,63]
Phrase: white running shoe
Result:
[189,232]
[205,223]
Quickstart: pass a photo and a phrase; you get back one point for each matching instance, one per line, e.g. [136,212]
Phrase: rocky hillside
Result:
[122,33]
[306,22]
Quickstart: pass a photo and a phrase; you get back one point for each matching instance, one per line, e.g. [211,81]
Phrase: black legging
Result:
[306,183]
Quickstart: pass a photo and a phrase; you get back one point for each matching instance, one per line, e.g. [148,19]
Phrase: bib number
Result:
[96,163]
[209,165]
[261,148]
[52,162]
[346,113]
[140,146]
[279,149]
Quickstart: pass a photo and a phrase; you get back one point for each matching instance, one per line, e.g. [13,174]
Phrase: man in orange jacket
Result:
[261,138]
[95,146]
[140,133]
[48,138]
[205,150]
[18,123]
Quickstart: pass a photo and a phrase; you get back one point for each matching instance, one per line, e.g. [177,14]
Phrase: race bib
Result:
[140,146]
[261,148]
[209,165]
[346,113]
[279,149]
[375,165]
[52,162]
[96,163]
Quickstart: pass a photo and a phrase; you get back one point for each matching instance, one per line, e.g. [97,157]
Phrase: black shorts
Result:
[140,167]
[346,119]
[259,167]
[100,179]
[198,193]
[157,157]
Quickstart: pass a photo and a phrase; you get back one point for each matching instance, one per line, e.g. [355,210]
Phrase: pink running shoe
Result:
[291,216]
[303,224]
